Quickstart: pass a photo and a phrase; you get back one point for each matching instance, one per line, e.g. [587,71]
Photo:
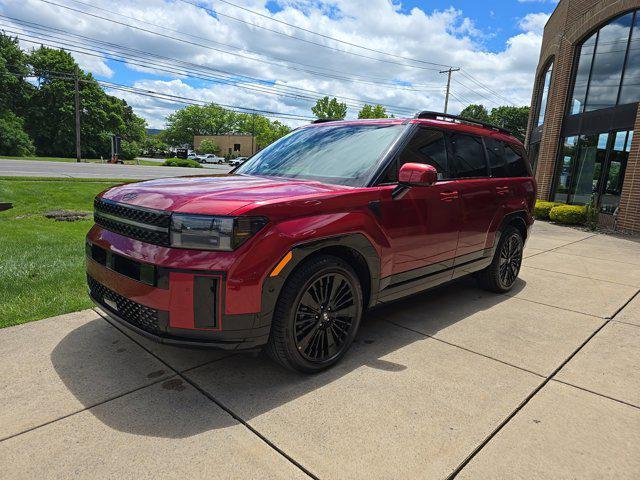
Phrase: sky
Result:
[278,56]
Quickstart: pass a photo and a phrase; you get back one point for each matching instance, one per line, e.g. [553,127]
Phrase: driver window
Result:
[426,146]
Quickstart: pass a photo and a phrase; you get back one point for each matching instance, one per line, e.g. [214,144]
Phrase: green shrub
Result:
[542,209]
[181,162]
[568,214]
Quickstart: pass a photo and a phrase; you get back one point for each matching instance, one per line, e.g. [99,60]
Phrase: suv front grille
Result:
[134,313]
[147,225]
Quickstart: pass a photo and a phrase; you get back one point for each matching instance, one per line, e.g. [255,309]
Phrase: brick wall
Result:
[629,215]
[569,24]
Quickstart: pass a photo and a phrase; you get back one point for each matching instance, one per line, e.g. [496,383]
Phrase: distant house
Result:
[232,144]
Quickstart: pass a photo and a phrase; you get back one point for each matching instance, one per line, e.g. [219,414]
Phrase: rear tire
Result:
[317,315]
[500,276]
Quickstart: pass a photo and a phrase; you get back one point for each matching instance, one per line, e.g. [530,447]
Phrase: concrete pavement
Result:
[36,168]
[540,383]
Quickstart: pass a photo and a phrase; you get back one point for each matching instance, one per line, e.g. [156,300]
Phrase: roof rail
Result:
[426,114]
[325,120]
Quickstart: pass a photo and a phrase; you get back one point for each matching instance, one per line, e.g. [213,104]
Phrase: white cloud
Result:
[445,37]
[534,22]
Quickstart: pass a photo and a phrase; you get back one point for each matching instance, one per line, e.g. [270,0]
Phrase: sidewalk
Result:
[541,383]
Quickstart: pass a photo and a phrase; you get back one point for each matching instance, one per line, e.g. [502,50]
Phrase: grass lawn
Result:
[42,269]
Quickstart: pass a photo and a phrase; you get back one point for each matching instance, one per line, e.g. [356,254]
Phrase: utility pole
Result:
[78,150]
[446,98]
[253,133]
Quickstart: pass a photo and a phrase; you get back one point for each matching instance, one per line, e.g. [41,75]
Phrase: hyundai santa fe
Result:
[289,250]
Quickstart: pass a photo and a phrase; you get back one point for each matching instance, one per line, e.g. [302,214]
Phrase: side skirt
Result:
[414,281]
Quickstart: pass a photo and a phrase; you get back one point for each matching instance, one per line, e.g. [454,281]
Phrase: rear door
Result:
[479,204]
[422,224]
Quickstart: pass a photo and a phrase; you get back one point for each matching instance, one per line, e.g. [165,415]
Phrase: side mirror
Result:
[417,174]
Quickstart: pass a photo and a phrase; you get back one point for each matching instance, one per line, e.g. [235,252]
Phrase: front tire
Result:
[501,275]
[317,315]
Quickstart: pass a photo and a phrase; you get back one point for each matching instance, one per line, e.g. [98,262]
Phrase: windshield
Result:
[342,154]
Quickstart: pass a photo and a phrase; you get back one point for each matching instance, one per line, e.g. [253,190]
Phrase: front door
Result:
[422,224]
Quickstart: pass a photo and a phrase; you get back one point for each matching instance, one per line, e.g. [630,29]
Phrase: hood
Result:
[220,195]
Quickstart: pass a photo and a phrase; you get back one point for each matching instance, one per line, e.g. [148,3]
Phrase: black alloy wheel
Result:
[317,315]
[501,274]
[510,260]
[324,317]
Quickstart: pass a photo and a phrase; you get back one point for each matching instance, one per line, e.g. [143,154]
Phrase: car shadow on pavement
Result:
[250,385]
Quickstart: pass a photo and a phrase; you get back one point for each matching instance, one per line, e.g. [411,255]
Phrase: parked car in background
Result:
[235,162]
[192,156]
[211,158]
[289,251]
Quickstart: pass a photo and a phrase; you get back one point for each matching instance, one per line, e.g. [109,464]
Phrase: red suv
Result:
[291,248]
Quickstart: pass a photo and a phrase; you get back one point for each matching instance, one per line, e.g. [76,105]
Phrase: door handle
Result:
[502,190]
[448,196]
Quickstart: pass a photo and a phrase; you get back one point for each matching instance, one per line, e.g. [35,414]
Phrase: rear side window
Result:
[516,164]
[497,161]
[426,146]
[468,156]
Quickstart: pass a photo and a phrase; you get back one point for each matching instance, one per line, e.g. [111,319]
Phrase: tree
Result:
[208,146]
[331,109]
[50,120]
[476,112]
[14,90]
[154,146]
[129,150]
[13,139]
[264,130]
[193,120]
[513,119]
[369,111]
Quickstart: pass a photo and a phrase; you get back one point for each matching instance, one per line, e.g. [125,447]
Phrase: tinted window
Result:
[426,146]
[516,164]
[468,156]
[495,153]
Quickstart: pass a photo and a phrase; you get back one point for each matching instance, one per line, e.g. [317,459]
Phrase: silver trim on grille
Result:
[133,223]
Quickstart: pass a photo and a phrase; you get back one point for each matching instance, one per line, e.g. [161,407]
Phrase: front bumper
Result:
[173,306]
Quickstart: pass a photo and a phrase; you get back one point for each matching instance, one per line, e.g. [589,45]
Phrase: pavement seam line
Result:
[563,245]
[218,403]
[583,256]
[535,391]
[584,389]
[463,348]
[579,276]
[627,323]
[553,306]
[97,404]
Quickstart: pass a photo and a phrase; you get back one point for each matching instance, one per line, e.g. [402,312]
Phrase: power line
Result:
[170,68]
[235,48]
[160,95]
[317,33]
[258,26]
[487,88]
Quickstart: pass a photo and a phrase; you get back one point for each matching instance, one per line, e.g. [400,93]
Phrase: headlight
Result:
[203,232]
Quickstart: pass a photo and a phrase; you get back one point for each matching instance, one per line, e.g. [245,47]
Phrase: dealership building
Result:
[585,109]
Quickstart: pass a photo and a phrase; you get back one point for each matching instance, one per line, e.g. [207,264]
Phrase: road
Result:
[540,383]
[31,168]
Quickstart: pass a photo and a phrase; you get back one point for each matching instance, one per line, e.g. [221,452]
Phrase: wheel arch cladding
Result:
[355,249]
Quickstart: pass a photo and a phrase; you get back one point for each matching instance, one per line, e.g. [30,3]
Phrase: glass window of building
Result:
[630,92]
[544,97]
[614,176]
[592,168]
[534,153]
[608,62]
[582,74]
[564,169]
[608,70]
